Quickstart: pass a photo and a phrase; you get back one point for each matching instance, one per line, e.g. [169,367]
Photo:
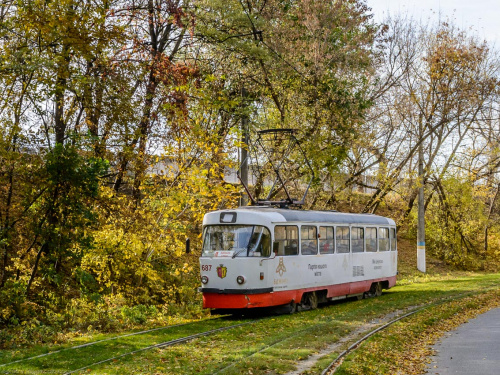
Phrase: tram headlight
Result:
[240,280]
[204,279]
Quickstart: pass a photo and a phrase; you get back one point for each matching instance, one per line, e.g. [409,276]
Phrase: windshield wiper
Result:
[248,246]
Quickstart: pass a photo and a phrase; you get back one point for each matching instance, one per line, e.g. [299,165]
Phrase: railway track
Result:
[161,345]
[333,366]
[116,338]
[89,344]
[330,369]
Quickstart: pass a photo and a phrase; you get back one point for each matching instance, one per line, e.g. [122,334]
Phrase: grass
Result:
[404,348]
[65,358]
[272,345]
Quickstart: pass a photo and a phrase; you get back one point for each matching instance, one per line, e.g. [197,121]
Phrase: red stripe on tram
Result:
[277,298]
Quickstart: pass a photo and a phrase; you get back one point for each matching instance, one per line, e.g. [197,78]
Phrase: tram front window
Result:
[241,240]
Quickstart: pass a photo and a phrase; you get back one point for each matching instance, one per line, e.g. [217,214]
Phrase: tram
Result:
[258,256]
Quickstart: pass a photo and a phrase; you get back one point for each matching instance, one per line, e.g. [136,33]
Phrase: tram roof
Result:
[319,216]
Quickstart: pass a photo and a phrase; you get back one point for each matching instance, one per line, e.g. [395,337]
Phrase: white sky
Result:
[483,16]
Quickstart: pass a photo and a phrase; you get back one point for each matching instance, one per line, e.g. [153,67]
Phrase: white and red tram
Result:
[262,257]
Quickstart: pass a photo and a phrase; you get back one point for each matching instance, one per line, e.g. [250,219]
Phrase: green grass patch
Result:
[272,345]
[404,348]
[64,358]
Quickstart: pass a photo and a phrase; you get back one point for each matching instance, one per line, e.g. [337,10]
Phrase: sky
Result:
[483,16]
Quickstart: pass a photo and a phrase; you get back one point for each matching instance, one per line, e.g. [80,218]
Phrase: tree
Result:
[305,66]
[445,82]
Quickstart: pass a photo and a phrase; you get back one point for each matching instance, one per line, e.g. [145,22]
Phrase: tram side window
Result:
[371,239]
[308,240]
[260,242]
[383,240]
[286,240]
[393,239]
[326,242]
[342,239]
[357,240]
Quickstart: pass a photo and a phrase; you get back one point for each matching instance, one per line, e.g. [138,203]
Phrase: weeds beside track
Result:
[311,340]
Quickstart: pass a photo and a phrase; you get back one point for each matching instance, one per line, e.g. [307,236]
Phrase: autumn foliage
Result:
[120,120]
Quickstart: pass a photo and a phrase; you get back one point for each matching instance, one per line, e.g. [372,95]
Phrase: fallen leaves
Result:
[405,347]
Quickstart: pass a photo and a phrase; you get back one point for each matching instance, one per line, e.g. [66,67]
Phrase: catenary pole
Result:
[244,151]
[421,205]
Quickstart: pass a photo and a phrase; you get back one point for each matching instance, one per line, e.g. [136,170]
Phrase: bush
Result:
[138,314]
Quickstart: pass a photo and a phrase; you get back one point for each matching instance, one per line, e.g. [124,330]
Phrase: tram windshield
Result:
[238,240]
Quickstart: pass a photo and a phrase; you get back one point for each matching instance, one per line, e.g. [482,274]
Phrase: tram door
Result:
[343,257]
[285,269]
[358,258]
[394,253]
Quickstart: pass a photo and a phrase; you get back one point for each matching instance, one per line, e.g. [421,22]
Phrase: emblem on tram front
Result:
[221,271]
[281,269]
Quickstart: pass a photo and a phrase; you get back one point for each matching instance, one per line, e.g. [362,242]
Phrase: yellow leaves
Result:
[185,269]
[210,78]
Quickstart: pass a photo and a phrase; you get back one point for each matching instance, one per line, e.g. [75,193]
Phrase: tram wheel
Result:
[309,301]
[375,290]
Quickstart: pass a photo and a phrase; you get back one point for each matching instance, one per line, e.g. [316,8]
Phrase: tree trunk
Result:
[35,267]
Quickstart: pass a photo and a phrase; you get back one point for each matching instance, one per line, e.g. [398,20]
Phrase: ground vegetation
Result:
[121,120]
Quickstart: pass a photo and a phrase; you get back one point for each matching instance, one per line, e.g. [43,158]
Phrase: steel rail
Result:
[354,346]
[100,341]
[162,345]
[364,338]
[206,333]
[274,343]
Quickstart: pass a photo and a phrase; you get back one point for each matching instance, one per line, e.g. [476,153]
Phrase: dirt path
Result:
[344,342]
